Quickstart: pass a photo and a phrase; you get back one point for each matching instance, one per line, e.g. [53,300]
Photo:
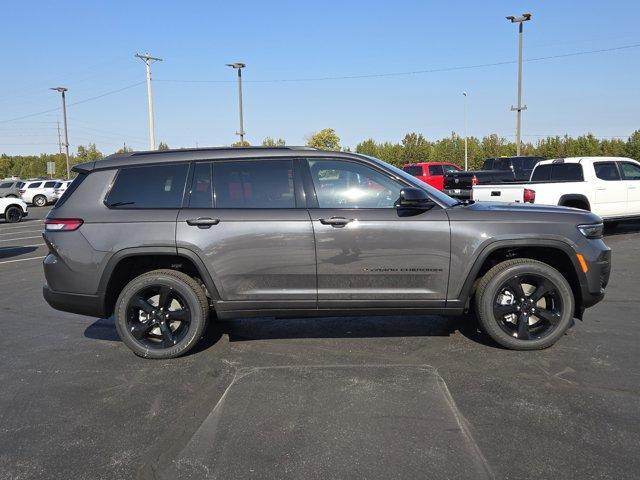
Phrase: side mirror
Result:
[415,199]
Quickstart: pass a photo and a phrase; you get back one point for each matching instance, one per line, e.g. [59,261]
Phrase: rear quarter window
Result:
[34,185]
[152,186]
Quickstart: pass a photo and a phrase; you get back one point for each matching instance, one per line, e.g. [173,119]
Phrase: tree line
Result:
[414,147]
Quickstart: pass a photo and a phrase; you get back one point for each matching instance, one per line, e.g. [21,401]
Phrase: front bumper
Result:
[596,279]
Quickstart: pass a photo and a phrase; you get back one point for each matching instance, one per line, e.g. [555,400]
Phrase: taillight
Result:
[529,196]
[62,224]
[474,180]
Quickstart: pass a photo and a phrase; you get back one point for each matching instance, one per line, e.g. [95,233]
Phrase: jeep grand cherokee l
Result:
[160,240]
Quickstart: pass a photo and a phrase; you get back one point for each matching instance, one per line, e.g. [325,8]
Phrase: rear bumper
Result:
[458,192]
[91,305]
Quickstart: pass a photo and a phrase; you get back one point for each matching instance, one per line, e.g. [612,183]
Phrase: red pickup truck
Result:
[431,172]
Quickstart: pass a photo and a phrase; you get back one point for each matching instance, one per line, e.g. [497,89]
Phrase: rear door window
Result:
[35,185]
[559,172]
[435,170]
[414,170]
[606,171]
[153,186]
[50,184]
[6,185]
[254,184]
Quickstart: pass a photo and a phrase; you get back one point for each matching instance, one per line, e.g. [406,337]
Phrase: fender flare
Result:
[115,259]
[574,196]
[466,290]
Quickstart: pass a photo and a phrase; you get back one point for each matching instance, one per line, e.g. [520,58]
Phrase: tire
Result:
[39,200]
[13,214]
[508,320]
[143,332]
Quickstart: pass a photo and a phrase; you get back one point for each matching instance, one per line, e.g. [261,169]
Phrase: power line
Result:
[111,92]
[413,72]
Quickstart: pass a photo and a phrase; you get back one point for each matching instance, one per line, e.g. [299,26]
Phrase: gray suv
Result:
[160,240]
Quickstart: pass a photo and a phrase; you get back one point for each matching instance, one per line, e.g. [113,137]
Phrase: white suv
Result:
[40,192]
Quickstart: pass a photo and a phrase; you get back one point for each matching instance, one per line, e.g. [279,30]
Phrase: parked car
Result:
[62,187]
[494,170]
[12,209]
[40,192]
[296,231]
[10,188]
[607,186]
[431,173]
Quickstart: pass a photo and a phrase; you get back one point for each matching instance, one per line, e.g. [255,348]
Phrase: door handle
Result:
[336,221]
[203,222]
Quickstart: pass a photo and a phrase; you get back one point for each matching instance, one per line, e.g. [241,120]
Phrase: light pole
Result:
[466,165]
[239,66]
[519,20]
[148,60]
[62,90]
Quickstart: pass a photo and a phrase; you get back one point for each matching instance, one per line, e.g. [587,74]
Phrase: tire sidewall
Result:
[6,214]
[37,200]
[490,323]
[196,325]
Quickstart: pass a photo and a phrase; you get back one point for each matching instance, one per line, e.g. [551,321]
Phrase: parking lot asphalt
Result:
[379,397]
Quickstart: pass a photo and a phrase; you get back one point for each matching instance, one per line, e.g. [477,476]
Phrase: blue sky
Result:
[88,46]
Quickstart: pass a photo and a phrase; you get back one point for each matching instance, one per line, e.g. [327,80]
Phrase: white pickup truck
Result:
[607,186]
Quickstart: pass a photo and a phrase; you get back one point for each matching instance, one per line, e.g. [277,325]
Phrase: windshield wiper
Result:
[119,204]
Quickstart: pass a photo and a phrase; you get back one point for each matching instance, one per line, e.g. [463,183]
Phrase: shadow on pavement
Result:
[8,252]
[249,329]
[622,228]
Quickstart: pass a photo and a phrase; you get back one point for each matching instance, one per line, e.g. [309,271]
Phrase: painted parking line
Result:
[20,232]
[19,238]
[17,227]
[23,259]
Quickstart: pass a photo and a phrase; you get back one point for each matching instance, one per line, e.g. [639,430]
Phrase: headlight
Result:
[592,231]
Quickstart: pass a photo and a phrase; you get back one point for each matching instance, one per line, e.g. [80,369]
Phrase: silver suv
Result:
[164,240]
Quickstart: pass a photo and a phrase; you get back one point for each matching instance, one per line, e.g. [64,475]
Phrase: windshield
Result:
[437,195]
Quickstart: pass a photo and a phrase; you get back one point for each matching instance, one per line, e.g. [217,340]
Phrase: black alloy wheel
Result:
[528,307]
[13,214]
[158,317]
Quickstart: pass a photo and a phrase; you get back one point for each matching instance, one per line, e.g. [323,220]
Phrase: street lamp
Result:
[62,90]
[525,17]
[466,166]
[239,66]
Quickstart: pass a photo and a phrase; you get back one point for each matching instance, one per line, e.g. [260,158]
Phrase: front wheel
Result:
[161,314]
[524,304]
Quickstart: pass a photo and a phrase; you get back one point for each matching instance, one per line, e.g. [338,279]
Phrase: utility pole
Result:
[466,151]
[519,20]
[59,140]
[239,66]
[62,90]
[148,60]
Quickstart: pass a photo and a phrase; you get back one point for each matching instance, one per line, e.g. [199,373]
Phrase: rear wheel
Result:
[524,304]
[39,200]
[13,214]
[161,314]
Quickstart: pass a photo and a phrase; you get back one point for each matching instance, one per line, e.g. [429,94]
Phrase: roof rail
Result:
[215,149]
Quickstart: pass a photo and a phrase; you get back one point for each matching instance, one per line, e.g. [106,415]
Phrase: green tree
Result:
[416,148]
[163,146]
[325,139]
[241,143]
[88,153]
[633,146]
[271,142]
